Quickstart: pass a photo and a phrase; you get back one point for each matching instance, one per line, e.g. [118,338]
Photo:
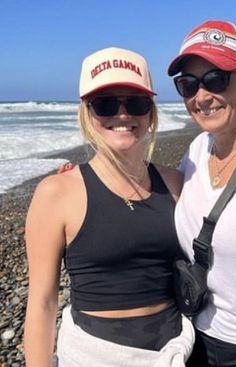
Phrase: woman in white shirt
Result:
[207,82]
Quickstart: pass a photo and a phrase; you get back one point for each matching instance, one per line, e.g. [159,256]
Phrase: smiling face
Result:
[213,112]
[122,131]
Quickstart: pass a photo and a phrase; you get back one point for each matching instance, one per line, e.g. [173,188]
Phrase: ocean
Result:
[31,131]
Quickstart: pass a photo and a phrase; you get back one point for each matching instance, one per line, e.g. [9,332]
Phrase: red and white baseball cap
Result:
[214,41]
[114,67]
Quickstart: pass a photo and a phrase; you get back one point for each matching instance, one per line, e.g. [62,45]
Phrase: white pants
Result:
[76,348]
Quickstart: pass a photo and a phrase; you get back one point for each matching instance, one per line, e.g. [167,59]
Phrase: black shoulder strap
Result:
[202,244]
[157,182]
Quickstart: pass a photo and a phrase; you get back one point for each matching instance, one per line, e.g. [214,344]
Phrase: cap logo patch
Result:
[215,36]
[120,64]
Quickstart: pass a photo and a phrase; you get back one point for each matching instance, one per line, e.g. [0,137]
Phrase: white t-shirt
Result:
[197,199]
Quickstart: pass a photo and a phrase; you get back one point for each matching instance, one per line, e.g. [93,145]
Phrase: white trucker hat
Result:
[114,67]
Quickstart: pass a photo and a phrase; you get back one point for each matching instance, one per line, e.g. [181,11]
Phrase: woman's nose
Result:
[203,94]
[122,109]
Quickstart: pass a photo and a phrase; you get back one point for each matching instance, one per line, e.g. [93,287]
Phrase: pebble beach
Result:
[13,263]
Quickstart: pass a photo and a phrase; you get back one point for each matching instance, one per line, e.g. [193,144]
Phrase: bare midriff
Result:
[132,312]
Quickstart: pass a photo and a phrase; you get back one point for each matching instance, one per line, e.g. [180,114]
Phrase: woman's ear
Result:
[150,129]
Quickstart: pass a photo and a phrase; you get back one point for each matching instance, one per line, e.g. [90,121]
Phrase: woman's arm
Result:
[45,241]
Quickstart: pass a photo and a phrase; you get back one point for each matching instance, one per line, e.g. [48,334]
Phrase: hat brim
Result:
[120,84]
[219,60]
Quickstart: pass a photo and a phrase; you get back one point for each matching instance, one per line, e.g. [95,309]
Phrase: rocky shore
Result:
[13,263]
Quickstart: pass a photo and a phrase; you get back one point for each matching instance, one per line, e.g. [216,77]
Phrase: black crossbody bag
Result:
[190,280]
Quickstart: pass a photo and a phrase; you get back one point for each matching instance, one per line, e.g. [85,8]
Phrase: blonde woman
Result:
[112,220]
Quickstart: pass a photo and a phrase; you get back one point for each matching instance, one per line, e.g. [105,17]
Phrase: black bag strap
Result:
[202,244]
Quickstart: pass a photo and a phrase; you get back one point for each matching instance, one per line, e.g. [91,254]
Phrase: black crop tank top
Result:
[122,259]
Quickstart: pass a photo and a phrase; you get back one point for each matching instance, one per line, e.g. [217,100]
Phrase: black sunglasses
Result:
[136,105]
[215,81]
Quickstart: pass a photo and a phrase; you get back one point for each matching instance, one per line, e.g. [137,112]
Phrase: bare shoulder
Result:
[55,191]
[58,201]
[58,184]
[173,179]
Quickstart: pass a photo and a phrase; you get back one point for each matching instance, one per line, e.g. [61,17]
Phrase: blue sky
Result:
[43,42]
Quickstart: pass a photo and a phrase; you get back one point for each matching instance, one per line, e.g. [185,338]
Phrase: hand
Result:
[65,167]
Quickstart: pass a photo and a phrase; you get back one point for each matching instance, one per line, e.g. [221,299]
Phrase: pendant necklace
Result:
[217,177]
[127,199]
[129,203]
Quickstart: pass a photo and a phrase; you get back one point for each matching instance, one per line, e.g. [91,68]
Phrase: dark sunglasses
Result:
[136,105]
[215,81]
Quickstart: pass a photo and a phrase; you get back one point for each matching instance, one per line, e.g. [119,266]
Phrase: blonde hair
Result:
[98,143]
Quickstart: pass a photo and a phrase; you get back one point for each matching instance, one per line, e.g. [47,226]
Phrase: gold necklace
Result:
[127,199]
[129,203]
[217,177]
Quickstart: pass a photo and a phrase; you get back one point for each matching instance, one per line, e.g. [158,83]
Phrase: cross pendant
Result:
[129,204]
